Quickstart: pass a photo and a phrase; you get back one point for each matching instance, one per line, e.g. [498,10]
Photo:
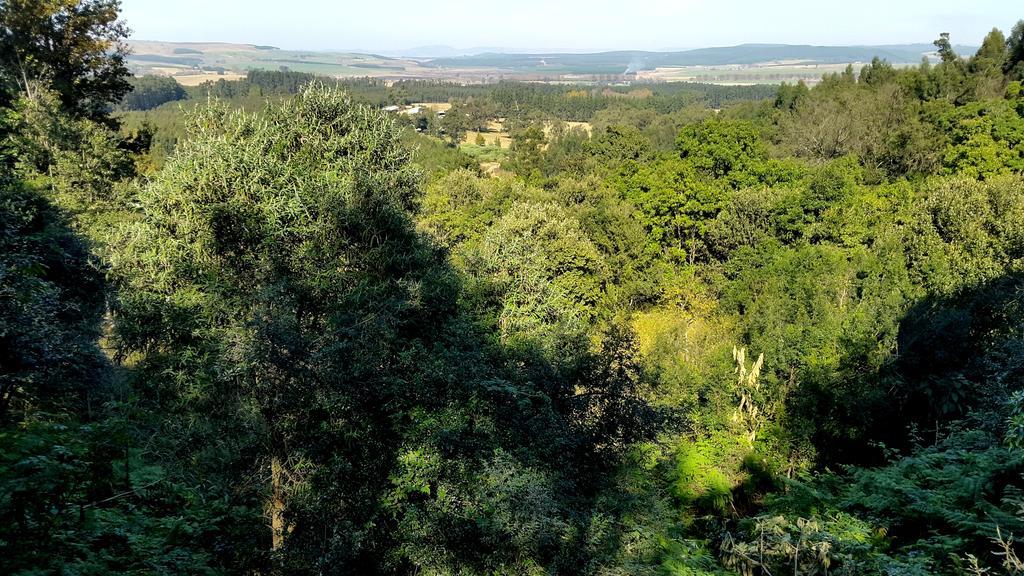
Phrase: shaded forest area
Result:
[265,327]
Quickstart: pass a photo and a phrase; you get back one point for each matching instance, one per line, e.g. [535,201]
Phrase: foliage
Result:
[51,298]
[148,92]
[271,328]
[75,46]
[78,159]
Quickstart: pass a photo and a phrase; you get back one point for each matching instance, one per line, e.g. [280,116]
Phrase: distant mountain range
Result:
[442,51]
[717,56]
[756,63]
[746,54]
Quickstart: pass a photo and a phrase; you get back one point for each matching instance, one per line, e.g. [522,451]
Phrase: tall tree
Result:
[75,46]
[276,272]
[945,48]
[992,53]
[1014,66]
[50,301]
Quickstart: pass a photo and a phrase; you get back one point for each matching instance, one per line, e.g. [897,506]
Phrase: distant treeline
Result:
[567,102]
[148,92]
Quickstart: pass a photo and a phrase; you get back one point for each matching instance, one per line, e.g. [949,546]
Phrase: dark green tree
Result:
[148,92]
[1014,66]
[50,303]
[297,287]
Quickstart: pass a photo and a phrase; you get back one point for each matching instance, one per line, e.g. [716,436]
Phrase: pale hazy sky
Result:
[565,24]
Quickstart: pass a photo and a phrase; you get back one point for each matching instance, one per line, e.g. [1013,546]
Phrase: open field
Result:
[497,142]
[434,106]
[496,134]
[197,79]
[585,126]
[186,59]
[490,138]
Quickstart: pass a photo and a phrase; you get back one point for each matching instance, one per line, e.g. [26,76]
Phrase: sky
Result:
[572,25]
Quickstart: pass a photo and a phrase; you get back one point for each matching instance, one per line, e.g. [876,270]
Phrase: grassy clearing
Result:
[434,106]
[484,154]
[585,126]
[491,138]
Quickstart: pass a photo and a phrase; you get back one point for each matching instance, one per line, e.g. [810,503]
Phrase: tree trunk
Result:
[278,527]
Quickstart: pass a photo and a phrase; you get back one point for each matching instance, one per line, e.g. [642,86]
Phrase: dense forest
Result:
[265,327]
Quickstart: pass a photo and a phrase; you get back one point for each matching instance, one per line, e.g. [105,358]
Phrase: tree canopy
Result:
[74,47]
[264,326]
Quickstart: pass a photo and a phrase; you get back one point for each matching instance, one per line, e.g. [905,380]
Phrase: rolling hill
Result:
[748,63]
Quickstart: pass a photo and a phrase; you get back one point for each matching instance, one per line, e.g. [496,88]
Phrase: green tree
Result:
[1014,67]
[950,78]
[81,161]
[619,144]
[675,204]
[880,123]
[986,67]
[945,49]
[526,150]
[877,73]
[984,139]
[148,92]
[264,268]
[50,302]
[301,311]
[717,148]
[546,275]
[75,46]
[992,54]
[455,124]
